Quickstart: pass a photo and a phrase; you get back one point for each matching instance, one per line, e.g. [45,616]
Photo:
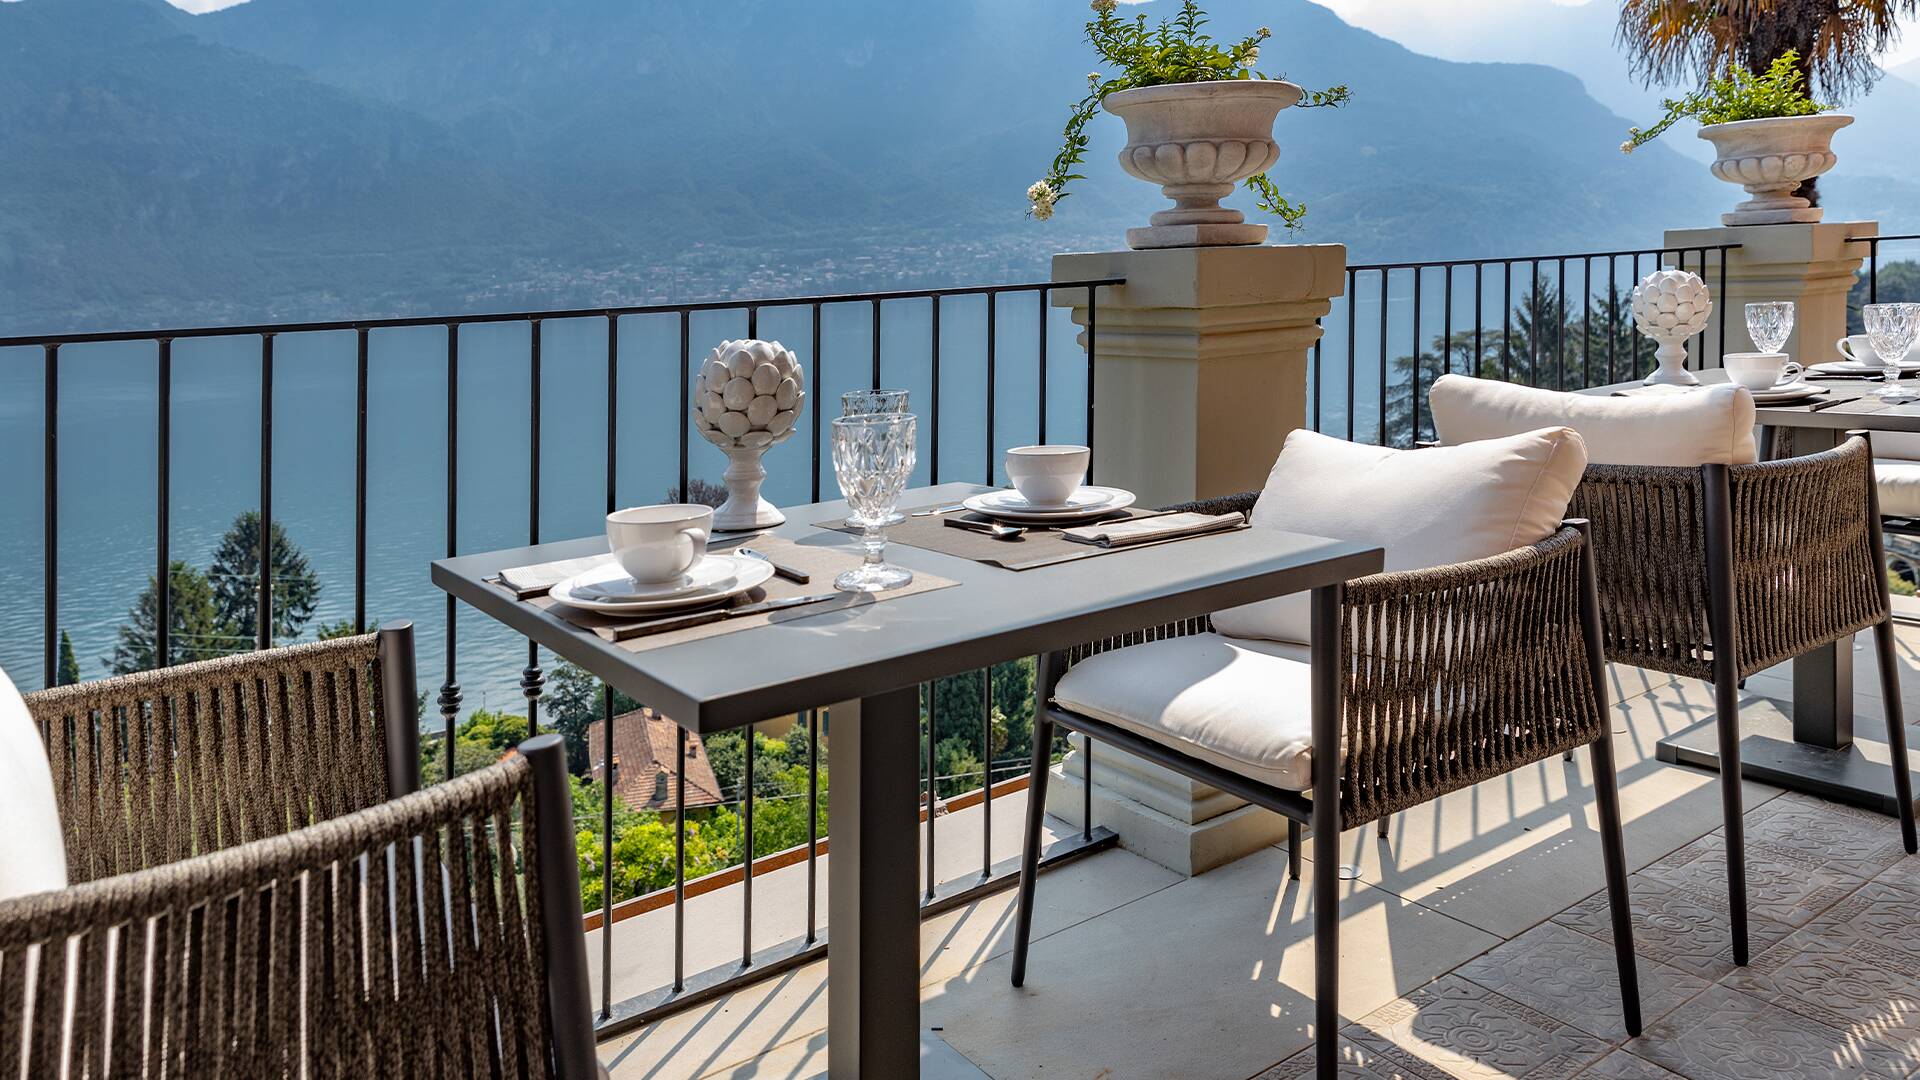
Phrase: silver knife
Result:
[701,618]
[929,511]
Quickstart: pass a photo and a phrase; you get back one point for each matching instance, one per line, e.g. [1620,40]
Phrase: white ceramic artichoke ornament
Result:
[747,397]
[1671,306]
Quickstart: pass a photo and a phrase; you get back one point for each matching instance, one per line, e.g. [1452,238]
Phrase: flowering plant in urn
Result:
[1671,306]
[746,398]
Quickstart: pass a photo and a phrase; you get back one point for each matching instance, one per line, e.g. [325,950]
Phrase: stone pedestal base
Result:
[1804,214]
[1208,235]
[1161,816]
[1811,264]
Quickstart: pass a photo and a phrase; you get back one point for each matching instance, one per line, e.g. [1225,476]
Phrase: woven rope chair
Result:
[1432,681]
[158,766]
[331,951]
[1721,571]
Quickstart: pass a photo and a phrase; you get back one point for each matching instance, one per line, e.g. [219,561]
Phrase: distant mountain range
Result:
[358,157]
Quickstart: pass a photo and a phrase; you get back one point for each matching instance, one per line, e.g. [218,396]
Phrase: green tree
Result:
[235,575]
[481,739]
[1898,282]
[194,628]
[328,631]
[572,701]
[67,672]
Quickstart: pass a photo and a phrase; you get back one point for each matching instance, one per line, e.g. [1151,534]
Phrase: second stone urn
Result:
[1770,158]
[1198,140]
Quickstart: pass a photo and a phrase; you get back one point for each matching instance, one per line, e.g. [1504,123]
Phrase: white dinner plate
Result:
[595,589]
[1855,367]
[1084,503]
[1796,390]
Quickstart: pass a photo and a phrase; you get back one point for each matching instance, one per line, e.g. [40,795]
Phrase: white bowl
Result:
[1047,475]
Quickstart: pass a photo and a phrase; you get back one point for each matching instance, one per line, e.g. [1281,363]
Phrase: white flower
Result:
[1104,7]
[1043,210]
[1627,147]
[1253,55]
[1263,32]
[1093,79]
[1042,196]
[1039,192]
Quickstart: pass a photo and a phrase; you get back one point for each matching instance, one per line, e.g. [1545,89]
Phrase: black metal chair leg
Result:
[1030,843]
[1722,625]
[1293,849]
[1896,729]
[1726,701]
[1380,827]
[1613,846]
[1326,710]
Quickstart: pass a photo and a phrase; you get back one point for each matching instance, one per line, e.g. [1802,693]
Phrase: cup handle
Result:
[698,534]
[1790,371]
[1846,350]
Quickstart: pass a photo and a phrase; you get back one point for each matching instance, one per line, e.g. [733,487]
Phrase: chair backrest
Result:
[158,766]
[434,935]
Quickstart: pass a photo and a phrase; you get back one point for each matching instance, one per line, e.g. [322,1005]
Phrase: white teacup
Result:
[1047,475]
[1759,370]
[1858,349]
[659,543]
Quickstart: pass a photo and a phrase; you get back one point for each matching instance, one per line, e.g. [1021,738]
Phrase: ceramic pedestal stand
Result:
[744,509]
[1671,306]
[746,399]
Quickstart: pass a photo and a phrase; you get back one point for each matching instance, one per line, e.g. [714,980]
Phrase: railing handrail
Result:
[606,312]
[1494,260]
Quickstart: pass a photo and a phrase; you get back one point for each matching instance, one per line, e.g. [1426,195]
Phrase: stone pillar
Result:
[1200,362]
[1811,264]
[1200,372]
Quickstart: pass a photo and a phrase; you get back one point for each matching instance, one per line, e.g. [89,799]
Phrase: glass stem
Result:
[876,543]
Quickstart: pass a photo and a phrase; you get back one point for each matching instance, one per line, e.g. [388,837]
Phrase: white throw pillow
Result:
[1712,425]
[33,856]
[1428,507]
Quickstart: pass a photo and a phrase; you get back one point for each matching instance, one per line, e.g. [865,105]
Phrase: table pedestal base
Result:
[1857,775]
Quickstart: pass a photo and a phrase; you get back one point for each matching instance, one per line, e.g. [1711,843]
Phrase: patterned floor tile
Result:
[1621,1065]
[1783,885]
[1904,874]
[1876,914]
[1680,928]
[1358,1063]
[1844,838]
[1726,1035]
[1863,988]
[1471,1032]
[1573,978]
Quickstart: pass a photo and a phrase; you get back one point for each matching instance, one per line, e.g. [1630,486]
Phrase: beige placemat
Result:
[822,563]
[1033,548]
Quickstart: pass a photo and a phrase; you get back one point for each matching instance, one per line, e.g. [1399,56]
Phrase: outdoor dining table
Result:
[1813,748]
[866,664]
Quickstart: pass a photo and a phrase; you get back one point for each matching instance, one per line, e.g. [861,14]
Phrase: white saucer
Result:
[1084,503]
[1793,391]
[1856,367]
[608,589]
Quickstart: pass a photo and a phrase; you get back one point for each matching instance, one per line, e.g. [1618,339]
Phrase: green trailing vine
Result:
[1739,95]
[1176,50]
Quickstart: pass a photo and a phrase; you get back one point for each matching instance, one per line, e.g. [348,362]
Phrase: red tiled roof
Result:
[644,750]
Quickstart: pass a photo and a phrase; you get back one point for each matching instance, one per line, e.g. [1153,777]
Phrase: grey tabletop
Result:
[992,615]
[1857,407]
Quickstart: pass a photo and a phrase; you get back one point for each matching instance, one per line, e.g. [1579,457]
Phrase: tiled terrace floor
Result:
[1472,945]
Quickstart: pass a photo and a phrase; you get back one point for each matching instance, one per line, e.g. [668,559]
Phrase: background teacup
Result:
[659,543]
[1759,370]
[1857,348]
[1047,475]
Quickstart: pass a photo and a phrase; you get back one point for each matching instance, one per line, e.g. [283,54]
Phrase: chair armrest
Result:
[154,767]
[1458,673]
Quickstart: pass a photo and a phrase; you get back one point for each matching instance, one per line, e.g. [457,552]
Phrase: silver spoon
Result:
[799,577]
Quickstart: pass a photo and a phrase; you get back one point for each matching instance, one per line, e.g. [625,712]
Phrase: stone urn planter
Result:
[1770,158]
[1198,140]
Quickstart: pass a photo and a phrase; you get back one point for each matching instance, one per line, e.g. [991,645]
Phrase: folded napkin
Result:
[1147,529]
[1656,390]
[535,580]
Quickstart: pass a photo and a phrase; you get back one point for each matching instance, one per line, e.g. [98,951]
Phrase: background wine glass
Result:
[873,456]
[1770,324]
[1891,329]
[866,402]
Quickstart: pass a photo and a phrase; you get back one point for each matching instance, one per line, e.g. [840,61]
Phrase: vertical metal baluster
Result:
[813,818]
[875,333]
[1533,339]
[1506,320]
[1633,354]
[1385,277]
[1353,320]
[1586,322]
[1479,316]
[449,688]
[1418,352]
[1873,270]
[680,359]
[1446,324]
[50,516]
[1613,312]
[1560,332]
[986,784]
[1722,291]
[360,483]
[991,392]
[1319,364]
[753,321]
[819,368]
[1040,317]
[746,865]
[606,861]
[163,505]
[932,690]
[933,438]
[680,863]
[1093,333]
[531,678]
[1086,789]
[264,631]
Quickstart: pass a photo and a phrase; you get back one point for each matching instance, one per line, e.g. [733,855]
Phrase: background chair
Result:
[1428,680]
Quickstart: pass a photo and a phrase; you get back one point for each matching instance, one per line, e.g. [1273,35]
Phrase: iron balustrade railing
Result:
[1483,329]
[685,990]
[1873,259]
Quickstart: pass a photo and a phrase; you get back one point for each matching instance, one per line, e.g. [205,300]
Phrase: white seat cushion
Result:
[1425,507]
[1712,425]
[1241,705]
[1899,484]
[33,855]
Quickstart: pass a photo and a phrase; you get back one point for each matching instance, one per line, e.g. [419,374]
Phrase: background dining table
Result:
[1812,747]
[866,664]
